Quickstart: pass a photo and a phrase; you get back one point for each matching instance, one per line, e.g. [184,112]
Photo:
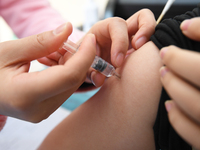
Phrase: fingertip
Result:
[59,29]
[62,28]
[185,24]
[97,78]
[168,105]
[163,71]
[163,52]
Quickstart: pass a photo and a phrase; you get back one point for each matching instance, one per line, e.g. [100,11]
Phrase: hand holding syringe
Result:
[98,64]
[101,65]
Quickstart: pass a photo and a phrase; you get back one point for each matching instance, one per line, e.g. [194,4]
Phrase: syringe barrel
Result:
[102,66]
[98,64]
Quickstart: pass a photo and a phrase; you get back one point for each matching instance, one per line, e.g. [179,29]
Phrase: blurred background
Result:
[83,13]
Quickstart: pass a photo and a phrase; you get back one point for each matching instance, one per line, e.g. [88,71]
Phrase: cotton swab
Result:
[166,8]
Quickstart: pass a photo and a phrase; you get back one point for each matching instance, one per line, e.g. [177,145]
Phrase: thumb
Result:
[189,28]
[71,75]
[36,46]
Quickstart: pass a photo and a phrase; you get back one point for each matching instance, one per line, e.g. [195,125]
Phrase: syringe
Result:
[98,64]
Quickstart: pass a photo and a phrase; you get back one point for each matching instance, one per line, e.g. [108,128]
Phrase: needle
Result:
[117,75]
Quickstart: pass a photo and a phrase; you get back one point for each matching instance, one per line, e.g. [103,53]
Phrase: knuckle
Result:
[118,19]
[40,40]
[146,11]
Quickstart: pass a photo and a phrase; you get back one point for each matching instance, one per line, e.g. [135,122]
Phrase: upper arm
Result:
[122,113]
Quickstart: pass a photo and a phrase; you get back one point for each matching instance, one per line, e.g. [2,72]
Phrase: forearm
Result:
[121,115]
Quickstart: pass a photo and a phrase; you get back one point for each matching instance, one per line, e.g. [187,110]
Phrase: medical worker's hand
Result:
[141,26]
[34,96]
[113,37]
[181,79]
[112,44]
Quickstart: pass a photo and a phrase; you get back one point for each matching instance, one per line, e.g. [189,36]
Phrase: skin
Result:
[181,79]
[121,114]
[34,96]
[141,26]
[113,36]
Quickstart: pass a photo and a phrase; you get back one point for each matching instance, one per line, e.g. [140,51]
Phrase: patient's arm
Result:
[121,115]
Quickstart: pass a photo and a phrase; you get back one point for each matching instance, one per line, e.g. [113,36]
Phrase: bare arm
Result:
[121,115]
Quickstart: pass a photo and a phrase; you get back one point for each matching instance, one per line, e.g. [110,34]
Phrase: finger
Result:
[57,79]
[142,25]
[189,28]
[48,62]
[114,32]
[97,78]
[120,41]
[183,62]
[184,126]
[185,95]
[37,46]
[51,59]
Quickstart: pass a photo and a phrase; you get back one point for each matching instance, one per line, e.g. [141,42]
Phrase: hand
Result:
[181,79]
[112,45]
[141,26]
[114,35]
[34,96]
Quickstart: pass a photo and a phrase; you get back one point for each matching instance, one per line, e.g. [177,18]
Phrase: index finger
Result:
[182,62]
[141,25]
[120,41]
[113,31]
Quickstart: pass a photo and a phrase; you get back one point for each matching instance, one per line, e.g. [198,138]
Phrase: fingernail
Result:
[168,105]
[163,71]
[163,51]
[59,29]
[120,59]
[92,78]
[185,24]
[140,42]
